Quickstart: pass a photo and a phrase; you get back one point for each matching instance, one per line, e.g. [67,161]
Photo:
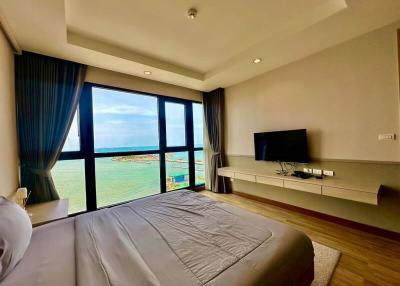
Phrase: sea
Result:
[120,179]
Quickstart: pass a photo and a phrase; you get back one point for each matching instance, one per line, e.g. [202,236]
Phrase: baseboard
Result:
[345,222]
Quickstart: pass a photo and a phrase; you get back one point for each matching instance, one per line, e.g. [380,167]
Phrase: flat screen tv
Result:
[282,146]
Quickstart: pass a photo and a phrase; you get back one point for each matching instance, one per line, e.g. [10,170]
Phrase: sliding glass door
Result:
[126,145]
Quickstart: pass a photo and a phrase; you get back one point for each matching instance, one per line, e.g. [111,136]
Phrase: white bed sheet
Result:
[50,258]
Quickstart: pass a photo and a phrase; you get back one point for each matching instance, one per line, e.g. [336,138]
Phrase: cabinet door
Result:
[347,194]
[305,187]
[269,181]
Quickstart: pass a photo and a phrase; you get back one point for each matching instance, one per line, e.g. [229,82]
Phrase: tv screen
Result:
[284,146]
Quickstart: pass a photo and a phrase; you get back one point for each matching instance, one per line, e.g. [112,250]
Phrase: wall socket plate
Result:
[307,170]
[317,171]
[328,173]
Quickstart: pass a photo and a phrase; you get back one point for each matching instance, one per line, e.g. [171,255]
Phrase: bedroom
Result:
[108,107]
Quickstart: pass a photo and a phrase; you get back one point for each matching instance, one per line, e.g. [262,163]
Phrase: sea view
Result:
[120,179]
[122,122]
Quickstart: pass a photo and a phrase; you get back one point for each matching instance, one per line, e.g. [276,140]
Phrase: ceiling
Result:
[214,50]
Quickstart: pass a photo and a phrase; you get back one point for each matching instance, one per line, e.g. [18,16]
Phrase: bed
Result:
[172,239]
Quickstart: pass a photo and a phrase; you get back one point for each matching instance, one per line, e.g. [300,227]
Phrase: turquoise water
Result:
[129,149]
[125,149]
[120,179]
[69,179]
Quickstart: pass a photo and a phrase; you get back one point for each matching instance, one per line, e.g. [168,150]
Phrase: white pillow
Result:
[15,235]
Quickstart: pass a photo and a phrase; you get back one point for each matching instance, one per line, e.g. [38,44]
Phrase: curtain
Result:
[213,103]
[47,94]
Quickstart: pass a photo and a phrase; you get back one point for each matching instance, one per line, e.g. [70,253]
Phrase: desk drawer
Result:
[305,187]
[269,181]
[348,194]
[226,173]
[245,177]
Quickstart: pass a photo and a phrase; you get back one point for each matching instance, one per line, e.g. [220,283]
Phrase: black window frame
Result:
[86,139]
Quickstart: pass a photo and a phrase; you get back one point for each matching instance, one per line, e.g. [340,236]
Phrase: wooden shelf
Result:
[46,212]
[360,191]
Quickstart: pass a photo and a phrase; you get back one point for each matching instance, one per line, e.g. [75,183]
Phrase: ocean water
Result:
[125,149]
[120,179]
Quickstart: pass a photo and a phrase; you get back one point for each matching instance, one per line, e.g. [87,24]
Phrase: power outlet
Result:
[317,171]
[328,173]
[307,170]
[232,179]
[388,136]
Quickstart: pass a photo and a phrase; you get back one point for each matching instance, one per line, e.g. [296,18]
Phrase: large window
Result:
[69,178]
[199,167]
[72,143]
[124,121]
[198,124]
[177,165]
[125,178]
[125,145]
[175,122]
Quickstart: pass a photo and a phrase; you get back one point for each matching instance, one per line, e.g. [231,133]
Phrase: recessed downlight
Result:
[147,72]
[257,60]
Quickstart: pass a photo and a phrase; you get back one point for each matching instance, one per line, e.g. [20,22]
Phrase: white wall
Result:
[345,96]
[111,78]
[8,142]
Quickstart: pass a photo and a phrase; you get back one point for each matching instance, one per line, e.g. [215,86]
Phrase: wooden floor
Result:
[366,259]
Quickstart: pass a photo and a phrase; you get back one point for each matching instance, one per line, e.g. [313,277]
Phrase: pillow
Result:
[15,235]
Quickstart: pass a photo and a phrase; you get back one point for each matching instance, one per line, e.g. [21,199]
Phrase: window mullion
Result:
[162,143]
[190,143]
[87,143]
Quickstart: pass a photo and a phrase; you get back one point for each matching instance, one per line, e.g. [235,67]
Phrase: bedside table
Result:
[42,213]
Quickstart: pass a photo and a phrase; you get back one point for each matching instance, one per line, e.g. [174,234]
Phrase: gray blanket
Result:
[184,238]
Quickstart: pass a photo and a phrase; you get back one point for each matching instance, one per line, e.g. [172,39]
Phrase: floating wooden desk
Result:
[365,192]
[42,213]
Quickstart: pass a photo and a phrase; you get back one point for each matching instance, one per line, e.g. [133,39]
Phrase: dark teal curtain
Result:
[213,103]
[47,95]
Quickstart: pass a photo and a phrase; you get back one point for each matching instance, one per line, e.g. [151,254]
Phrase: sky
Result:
[126,119]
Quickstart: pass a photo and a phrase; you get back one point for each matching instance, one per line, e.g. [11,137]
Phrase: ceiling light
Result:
[257,60]
[192,13]
[147,72]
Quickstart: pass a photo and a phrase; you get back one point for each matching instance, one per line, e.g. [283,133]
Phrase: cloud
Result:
[123,109]
[116,122]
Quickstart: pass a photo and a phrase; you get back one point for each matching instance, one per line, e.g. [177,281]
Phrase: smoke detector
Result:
[192,13]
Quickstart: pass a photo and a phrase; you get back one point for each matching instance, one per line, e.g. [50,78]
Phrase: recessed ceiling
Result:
[215,49]
[160,29]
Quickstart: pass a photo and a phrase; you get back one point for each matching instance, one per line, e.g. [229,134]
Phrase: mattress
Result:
[177,238]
